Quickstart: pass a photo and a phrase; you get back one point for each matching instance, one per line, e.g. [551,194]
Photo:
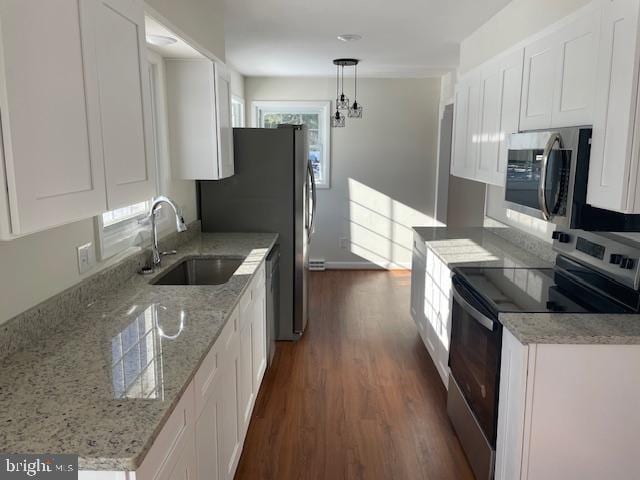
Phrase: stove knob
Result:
[615,258]
[627,263]
[564,237]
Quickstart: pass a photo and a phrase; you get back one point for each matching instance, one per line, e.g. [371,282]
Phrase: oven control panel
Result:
[614,256]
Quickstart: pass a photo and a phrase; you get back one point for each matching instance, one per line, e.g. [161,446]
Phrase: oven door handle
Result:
[542,194]
[480,317]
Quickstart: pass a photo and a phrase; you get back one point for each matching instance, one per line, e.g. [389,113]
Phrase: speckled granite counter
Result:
[476,247]
[573,328]
[103,382]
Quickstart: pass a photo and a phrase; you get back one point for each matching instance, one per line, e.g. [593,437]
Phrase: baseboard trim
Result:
[365,266]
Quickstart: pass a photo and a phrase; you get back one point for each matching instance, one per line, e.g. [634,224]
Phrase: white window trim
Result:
[239,100]
[302,106]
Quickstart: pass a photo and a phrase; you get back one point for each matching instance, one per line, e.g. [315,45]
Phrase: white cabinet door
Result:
[225,130]
[466,126]
[217,439]
[229,440]
[50,116]
[460,128]
[182,465]
[245,365]
[200,132]
[575,78]
[259,335]
[613,167]
[489,138]
[125,101]
[511,408]
[540,66]
[511,75]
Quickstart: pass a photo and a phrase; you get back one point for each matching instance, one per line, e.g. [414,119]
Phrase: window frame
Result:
[322,107]
[235,99]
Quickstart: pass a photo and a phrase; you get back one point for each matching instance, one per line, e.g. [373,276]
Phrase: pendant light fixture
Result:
[343,102]
[337,120]
[355,111]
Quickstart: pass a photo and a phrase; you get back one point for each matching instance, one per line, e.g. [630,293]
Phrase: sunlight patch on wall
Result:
[380,227]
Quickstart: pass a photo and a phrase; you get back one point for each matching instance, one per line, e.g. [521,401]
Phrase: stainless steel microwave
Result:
[547,177]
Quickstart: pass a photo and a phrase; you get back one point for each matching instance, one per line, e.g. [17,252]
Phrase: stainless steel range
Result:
[592,274]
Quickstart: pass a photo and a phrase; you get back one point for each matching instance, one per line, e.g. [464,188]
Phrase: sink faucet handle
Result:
[168,252]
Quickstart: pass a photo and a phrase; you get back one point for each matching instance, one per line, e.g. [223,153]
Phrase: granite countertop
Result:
[103,383]
[573,328]
[477,247]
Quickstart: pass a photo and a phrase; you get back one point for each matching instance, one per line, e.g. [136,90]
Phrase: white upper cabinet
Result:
[50,117]
[466,123]
[199,105]
[125,101]
[613,168]
[559,70]
[540,63]
[225,129]
[75,112]
[500,107]
[573,95]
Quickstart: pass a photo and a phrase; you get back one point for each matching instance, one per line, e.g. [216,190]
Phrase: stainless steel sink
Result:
[200,271]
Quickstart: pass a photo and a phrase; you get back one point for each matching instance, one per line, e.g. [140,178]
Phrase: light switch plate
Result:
[86,257]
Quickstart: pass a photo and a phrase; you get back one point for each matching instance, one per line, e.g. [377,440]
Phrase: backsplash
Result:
[530,243]
[35,323]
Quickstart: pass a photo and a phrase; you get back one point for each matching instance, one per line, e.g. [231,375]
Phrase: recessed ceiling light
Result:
[160,40]
[349,37]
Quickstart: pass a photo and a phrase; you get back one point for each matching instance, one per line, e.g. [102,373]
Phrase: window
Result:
[237,111]
[315,115]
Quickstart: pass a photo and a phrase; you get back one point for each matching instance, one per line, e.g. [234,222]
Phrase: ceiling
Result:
[401,38]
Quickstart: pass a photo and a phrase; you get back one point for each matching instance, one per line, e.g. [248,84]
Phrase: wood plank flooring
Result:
[358,397]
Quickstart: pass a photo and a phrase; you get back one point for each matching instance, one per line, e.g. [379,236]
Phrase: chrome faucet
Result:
[180,227]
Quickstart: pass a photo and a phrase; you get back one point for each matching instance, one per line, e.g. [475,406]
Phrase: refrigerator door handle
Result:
[312,181]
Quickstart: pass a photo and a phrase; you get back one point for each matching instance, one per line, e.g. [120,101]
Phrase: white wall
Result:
[383,166]
[518,20]
[200,20]
[515,22]
[41,265]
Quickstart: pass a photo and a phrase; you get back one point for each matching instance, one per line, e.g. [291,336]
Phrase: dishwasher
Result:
[273,300]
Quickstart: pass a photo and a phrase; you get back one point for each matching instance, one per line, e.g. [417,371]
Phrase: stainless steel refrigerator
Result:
[273,190]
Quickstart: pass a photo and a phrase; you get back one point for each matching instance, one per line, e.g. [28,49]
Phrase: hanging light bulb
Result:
[343,101]
[355,110]
[337,119]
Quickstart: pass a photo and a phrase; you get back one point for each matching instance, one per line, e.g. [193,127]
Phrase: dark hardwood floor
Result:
[358,396]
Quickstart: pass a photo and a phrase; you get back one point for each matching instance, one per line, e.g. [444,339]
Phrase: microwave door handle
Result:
[542,196]
[481,318]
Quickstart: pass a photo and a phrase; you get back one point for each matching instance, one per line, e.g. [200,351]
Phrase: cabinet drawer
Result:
[173,438]
[206,375]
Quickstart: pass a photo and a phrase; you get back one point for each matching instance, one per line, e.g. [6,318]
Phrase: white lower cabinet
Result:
[204,435]
[568,412]
[431,304]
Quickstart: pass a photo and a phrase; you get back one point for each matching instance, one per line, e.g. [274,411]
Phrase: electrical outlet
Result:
[86,257]
[343,243]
